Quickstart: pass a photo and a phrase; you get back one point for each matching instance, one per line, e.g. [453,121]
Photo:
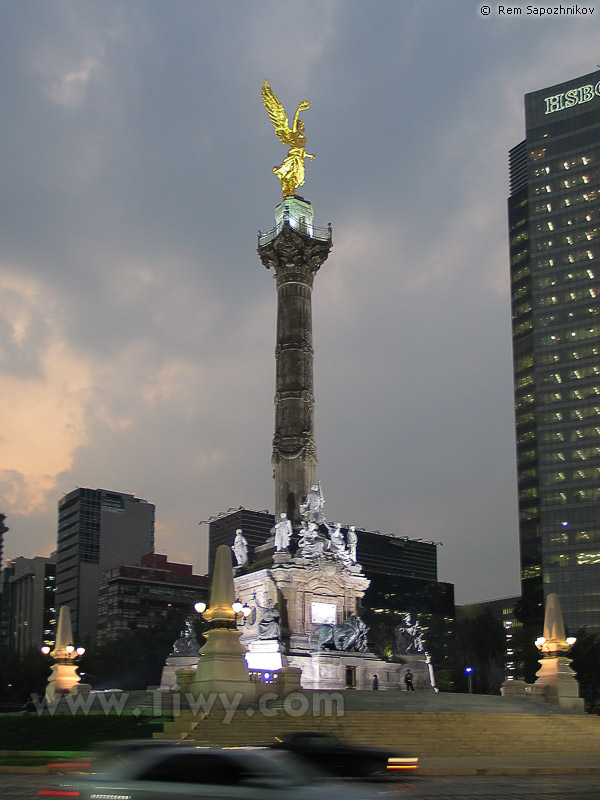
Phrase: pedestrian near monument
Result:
[408,680]
[375,683]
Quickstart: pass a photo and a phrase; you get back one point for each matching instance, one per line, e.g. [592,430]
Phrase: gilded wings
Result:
[290,137]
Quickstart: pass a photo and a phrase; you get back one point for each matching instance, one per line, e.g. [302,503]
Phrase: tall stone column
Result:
[295,249]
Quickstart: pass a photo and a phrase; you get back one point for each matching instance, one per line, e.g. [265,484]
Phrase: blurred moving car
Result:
[343,759]
[228,774]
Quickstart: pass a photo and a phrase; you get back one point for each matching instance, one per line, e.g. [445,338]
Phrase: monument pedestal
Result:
[422,671]
[264,655]
[169,681]
[64,679]
[310,593]
[334,670]
[556,684]
[221,667]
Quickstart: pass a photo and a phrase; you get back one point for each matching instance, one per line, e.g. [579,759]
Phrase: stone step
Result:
[425,733]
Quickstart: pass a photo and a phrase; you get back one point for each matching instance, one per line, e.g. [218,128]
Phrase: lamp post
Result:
[242,612]
[469,674]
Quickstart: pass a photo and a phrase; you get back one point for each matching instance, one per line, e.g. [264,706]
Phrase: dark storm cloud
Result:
[138,347]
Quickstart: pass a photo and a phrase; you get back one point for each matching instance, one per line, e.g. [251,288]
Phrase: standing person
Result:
[375,683]
[408,680]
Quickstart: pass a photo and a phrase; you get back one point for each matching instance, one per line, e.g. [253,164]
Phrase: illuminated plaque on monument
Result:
[323,613]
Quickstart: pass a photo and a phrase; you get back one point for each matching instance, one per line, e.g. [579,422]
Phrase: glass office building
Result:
[97,529]
[554,230]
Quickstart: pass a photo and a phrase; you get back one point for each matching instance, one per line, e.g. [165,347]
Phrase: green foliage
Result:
[440,639]
[526,655]
[382,631]
[21,675]
[585,655]
[444,681]
[135,660]
[481,644]
[28,731]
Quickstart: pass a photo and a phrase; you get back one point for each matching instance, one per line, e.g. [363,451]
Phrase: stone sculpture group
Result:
[319,543]
[409,637]
[313,542]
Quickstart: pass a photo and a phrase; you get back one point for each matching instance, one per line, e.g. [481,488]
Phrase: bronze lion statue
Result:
[350,635]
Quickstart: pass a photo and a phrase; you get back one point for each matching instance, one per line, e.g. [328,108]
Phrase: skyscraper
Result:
[97,529]
[554,231]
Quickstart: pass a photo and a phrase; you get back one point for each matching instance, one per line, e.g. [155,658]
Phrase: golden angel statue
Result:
[291,171]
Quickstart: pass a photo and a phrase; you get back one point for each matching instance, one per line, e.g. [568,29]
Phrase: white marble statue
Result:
[352,540]
[268,623]
[337,545]
[283,532]
[310,544]
[312,508]
[240,548]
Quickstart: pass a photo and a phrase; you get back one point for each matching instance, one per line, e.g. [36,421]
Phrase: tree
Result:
[480,644]
[382,630]
[440,643]
[585,655]
[525,654]
[22,675]
[135,659]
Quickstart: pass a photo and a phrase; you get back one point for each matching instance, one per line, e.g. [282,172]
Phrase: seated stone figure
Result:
[268,624]
[310,544]
[337,545]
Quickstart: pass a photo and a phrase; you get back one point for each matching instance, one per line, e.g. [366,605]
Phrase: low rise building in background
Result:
[132,597]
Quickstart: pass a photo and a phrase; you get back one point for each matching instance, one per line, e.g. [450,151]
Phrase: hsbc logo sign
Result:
[574,97]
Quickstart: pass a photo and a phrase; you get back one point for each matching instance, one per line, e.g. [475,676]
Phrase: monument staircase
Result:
[437,725]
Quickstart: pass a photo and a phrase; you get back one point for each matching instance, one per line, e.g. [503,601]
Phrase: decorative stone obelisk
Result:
[64,677]
[555,680]
[295,249]
[222,667]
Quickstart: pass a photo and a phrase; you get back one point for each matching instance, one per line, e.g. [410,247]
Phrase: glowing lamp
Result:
[570,640]
[200,607]
[45,649]
[80,651]
[237,606]
[69,648]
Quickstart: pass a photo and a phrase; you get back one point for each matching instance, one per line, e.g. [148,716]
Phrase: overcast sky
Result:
[138,326]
